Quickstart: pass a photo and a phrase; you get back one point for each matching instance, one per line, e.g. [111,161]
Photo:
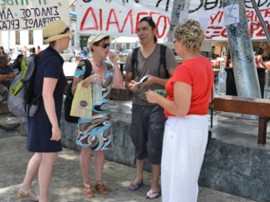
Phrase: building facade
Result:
[12,40]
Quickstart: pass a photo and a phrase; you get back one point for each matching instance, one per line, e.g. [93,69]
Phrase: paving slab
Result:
[66,183]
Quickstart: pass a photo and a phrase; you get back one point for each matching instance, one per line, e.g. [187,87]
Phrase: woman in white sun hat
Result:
[44,134]
[94,134]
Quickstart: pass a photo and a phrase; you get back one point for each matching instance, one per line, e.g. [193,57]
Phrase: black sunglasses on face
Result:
[105,45]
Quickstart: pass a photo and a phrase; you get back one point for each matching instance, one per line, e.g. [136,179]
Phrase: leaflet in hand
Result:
[144,79]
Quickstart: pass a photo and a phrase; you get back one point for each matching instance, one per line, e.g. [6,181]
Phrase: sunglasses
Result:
[105,45]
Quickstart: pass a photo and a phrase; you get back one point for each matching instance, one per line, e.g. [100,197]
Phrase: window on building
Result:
[17,38]
[72,39]
[30,37]
[73,7]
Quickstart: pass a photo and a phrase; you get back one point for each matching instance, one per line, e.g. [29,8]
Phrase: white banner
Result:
[120,17]
[31,14]
[211,15]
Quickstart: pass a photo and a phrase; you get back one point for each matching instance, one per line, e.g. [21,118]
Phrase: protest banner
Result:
[31,14]
[120,17]
[211,15]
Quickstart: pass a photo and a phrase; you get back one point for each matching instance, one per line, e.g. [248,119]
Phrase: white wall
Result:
[7,39]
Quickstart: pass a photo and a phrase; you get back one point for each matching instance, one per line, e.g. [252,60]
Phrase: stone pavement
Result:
[66,182]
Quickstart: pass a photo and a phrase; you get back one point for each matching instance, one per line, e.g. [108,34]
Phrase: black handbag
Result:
[69,95]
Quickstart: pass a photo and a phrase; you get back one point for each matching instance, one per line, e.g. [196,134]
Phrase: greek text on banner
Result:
[31,14]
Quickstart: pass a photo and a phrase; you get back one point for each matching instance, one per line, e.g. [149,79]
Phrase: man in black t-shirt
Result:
[6,71]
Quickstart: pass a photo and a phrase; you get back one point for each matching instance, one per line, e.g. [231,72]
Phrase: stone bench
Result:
[252,106]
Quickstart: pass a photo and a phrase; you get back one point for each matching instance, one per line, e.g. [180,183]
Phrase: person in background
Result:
[259,58]
[215,62]
[18,51]
[24,51]
[32,52]
[2,50]
[228,61]
[38,49]
[103,76]
[17,63]
[44,134]
[147,124]
[6,71]
[186,107]
[266,60]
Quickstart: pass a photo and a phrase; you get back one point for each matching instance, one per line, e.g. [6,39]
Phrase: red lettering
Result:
[89,11]
[261,32]
[213,31]
[153,15]
[139,17]
[129,15]
[214,18]
[157,18]
[267,13]
[221,16]
[100,19]
[93,20]
[223,33]
[161,34]
[250,15]
[110,20]
[253,27]
[169,22]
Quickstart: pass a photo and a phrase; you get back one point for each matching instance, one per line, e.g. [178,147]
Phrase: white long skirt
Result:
[184,146]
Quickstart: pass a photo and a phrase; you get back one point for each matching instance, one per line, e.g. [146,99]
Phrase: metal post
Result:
[179,14]
[245,72]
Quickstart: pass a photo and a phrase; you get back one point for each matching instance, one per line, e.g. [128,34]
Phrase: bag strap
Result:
[88,68]
[41,56]
[134,60]
[162,60]
[36,60]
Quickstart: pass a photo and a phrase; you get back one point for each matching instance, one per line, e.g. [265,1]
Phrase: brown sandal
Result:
[101,189]
[87,190]
[27,194]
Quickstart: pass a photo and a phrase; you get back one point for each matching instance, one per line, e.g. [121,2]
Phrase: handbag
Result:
[82,102]
[69,95]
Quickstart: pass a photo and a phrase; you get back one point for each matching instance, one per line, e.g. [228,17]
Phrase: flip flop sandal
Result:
[134,186]
[155,193]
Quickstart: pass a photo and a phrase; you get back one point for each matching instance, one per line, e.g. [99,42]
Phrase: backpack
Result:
[69,95]
[162,59]
[21,99]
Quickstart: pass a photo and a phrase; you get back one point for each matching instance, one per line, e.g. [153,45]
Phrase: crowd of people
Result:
[169,129]
[186,106]
[261,59]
